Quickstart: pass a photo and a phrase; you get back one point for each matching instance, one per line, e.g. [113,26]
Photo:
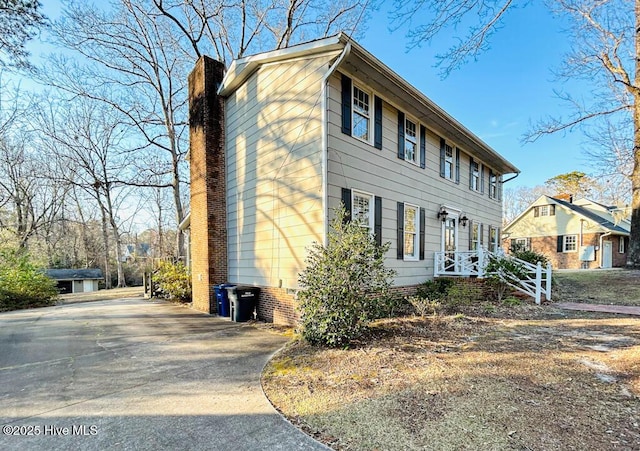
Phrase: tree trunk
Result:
[633,256]
[105,241]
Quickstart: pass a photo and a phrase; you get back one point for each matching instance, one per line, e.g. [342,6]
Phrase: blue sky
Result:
[500,95]
[496,97]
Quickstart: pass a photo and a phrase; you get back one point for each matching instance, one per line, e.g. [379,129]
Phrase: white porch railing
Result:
[535,283]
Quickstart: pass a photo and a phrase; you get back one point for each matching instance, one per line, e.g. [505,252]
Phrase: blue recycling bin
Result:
[222,299]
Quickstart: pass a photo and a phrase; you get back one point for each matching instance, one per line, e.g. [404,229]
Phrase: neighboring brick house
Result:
[282,138]
[573,235]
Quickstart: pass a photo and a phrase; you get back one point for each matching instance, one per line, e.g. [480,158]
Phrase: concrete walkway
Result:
[621,309]
[133,374]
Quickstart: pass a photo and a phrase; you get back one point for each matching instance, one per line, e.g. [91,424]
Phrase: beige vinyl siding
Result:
[357,165]
[274,176]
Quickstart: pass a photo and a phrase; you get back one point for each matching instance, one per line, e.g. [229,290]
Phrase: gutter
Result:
[325,142]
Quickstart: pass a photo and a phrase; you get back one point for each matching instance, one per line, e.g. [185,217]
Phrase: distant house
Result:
[76,280]
[573,235]
[132,252]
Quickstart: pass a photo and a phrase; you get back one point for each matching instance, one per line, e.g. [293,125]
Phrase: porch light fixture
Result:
[443,213]
[464,220]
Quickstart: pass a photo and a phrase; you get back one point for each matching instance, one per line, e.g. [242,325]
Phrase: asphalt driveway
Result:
[137,375]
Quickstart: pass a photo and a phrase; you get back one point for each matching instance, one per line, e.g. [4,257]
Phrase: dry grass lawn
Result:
[520,378]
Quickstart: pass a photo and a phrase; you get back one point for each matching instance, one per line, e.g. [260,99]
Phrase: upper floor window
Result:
[362,209]
[361,114]
[448,161]
[493,185]
[410,140]
[411,228]
[544,210]
[474,184]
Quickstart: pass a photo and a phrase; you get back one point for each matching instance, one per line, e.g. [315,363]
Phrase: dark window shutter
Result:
[423,146]
[482,179]
[423,217]
[470,235]
[377,123]
[442,156]
[346,104]
[457,165]
[552,210]
[400,253]
[513,244]
[560,247]
[377,220]
[536,212]
[401,135]
[346,200]
[470,172]
[481,233]
[528,244]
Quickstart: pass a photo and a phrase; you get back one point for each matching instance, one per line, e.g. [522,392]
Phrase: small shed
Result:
[76,280]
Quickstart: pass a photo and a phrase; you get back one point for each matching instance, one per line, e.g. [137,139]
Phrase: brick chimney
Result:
[208,196]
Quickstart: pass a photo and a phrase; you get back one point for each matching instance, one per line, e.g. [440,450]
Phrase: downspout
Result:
[510,178]
[325,143]
[601,252]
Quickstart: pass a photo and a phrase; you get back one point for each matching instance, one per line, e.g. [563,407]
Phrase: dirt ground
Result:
[506,378]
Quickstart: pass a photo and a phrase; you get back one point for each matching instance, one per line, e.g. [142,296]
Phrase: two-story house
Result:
[281,138]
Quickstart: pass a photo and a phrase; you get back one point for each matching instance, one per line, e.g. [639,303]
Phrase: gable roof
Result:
[604,219]
[356,59]
[74,274]
[606,223]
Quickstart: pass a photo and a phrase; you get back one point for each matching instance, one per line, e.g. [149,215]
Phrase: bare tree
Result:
[84,138]
[19,22]
[605,38]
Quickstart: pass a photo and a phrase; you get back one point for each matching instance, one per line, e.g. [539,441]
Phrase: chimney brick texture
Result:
[208,187]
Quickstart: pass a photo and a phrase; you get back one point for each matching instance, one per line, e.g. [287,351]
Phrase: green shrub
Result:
[22,283]
[532,257]
[174,281]
[344,285]
[501,270]
[434,289]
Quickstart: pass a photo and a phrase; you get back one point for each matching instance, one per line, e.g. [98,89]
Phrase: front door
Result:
[450,242]
[607,254]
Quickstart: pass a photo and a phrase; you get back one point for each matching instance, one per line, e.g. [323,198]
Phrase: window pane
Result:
[361,209]
[409,244]
[410,220]
[360,114]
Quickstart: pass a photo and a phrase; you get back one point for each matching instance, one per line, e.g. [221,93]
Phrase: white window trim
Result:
[564,243]
[416,153]
[477,242]
[475,178]
[494,246]
[453,161]
[371,197]
[493,185]
[358,86]
[621,248]
[416,238]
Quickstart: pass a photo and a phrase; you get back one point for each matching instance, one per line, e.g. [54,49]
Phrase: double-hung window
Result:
[411,229]
[475,176]
[570,243]
[476,236]
[361,114]
[621,248]
[410,140]
[362,209]
[493,185]
[493,239]
[448,162]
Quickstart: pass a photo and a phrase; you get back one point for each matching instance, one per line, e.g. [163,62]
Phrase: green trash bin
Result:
[242,302]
